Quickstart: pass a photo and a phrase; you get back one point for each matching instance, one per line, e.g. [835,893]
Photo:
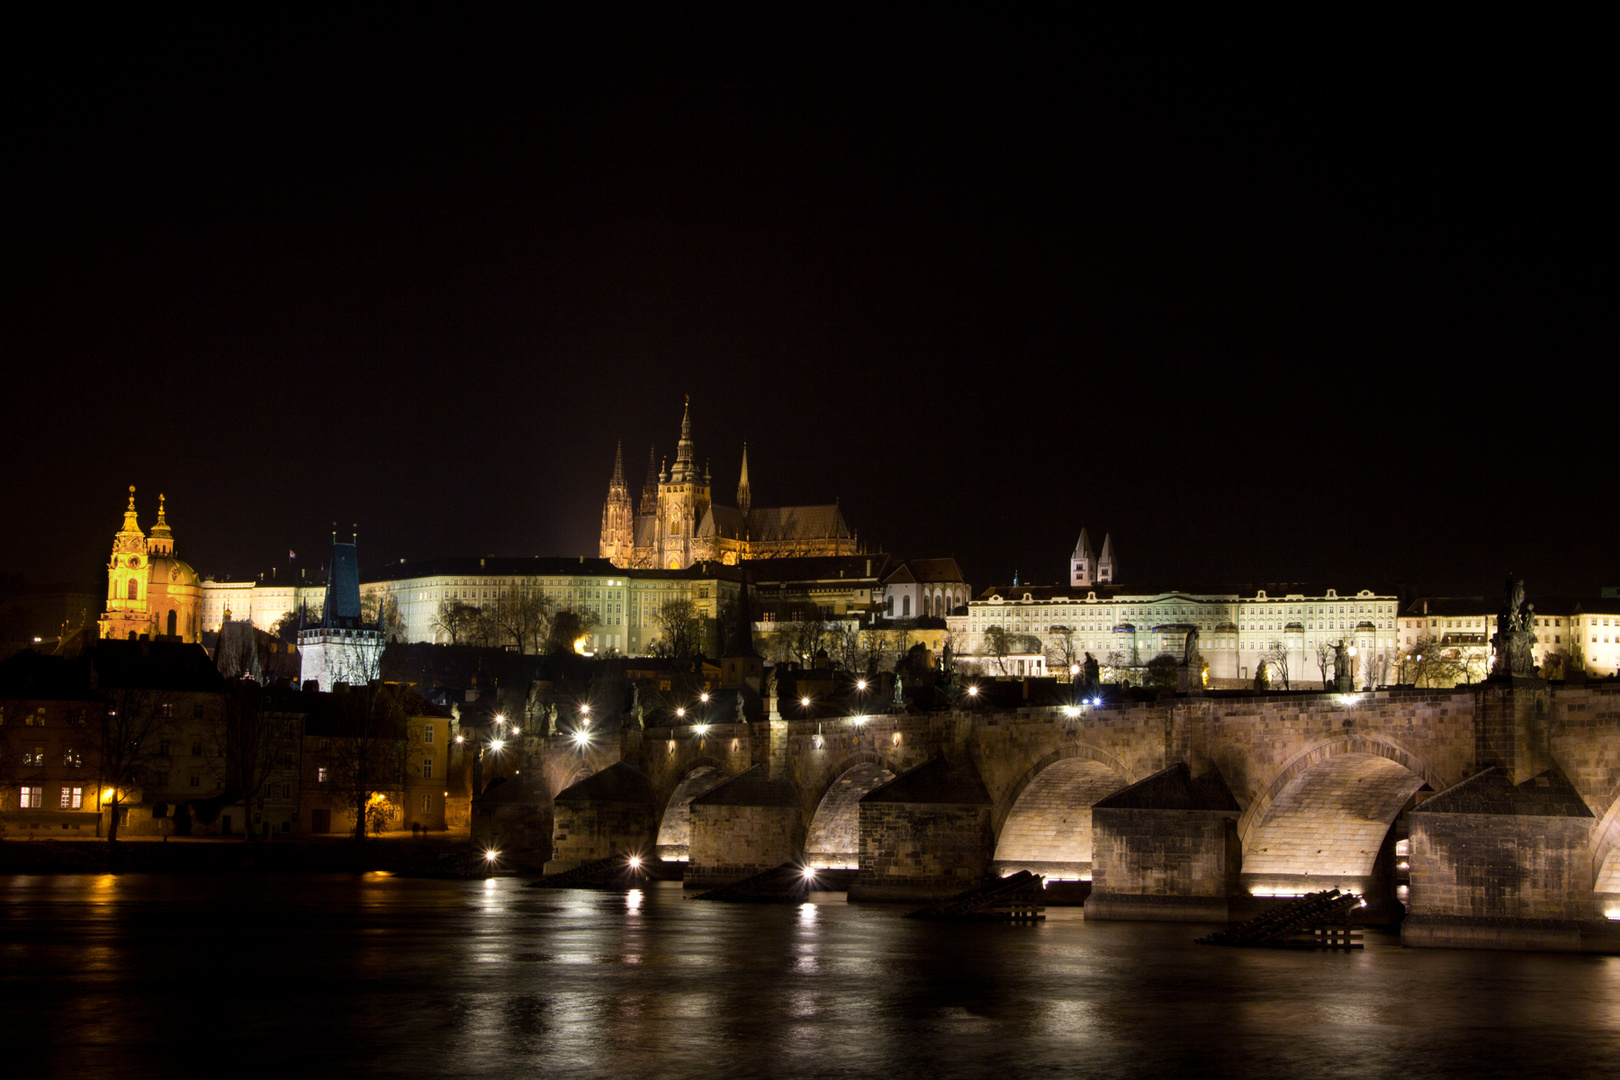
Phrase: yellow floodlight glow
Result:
[490,855]
[581,738]
[701,729]
[973,691]
[860,684]
[804,701]
[680,712]
[580,643]
[704,697]
[497,745]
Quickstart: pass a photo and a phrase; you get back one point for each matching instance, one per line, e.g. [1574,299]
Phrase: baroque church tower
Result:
[150,593]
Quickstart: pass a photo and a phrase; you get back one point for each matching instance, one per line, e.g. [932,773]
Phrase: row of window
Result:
[32,797]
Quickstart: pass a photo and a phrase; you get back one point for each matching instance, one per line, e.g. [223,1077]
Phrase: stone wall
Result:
[913,851]
[1173,865]
[733,842]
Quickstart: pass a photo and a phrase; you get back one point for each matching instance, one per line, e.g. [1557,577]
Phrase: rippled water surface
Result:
[374,976]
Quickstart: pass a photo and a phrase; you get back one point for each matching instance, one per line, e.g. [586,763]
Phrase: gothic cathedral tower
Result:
[618,520]
[683,499]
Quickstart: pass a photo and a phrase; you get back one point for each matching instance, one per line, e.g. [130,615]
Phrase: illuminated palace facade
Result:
[676,522]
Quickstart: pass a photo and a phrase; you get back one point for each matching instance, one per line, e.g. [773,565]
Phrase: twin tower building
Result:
[677,522]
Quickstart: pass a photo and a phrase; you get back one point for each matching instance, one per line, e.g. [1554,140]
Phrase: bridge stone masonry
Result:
[1485,815]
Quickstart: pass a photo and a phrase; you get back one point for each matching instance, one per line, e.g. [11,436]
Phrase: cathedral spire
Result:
[744,497]
[618,467]
[685,469]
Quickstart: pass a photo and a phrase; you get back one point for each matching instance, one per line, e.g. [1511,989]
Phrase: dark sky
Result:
[1263,312]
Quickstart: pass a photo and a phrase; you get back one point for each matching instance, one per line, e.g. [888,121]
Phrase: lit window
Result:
[427,804]
[31,798]
[72,798]
[320,775]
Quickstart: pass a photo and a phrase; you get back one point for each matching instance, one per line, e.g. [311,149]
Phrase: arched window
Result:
[173,621]
[889,607]
[905,607]
[134,590]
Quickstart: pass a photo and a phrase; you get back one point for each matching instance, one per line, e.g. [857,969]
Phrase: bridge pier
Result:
[743,826]
[612,812]
[1165,849]
[926,834]
[1499,865]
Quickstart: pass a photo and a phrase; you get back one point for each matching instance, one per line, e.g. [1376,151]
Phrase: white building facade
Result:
[1237,631]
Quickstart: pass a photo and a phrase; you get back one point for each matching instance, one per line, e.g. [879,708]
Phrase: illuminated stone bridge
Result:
[1490,811]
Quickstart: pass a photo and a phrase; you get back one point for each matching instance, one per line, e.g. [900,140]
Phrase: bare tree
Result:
[680,629]
[1275,660]
[999,644]
[523,617]
[571,624]
[364,757]
[844,645]
[1062,652]
[457,621]
[255,735]
[1429,662]
[130,740]
[1324,660]
[385,606]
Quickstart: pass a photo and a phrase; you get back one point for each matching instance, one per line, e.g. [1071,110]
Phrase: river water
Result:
[141,975]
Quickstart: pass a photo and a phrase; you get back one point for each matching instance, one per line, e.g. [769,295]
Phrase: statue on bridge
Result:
[742,714]
[1343,679]
[1091,675]
[1515,637]
[899,689]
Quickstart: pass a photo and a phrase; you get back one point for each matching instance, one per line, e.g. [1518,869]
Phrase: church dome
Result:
[170,572]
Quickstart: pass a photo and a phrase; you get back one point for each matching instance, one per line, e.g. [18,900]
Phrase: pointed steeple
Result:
[617,483]
[745,498]
[1082,549]
[684,469]
[649,490]
[1106,570]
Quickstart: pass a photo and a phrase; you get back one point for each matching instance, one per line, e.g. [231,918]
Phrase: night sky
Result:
[1264,313]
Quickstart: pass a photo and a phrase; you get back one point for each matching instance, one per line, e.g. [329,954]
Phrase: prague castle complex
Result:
[676,523]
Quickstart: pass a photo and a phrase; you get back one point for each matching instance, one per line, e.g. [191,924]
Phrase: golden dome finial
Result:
[160,528]
[132,496]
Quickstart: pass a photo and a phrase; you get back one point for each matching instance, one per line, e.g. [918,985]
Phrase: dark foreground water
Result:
[137,975]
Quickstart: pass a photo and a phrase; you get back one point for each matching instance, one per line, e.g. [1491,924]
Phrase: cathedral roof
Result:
[646,530]
[776,523]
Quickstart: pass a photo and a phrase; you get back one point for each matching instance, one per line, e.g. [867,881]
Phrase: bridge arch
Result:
[833,836]
[1325,818]
[1606,855]
[1044,825]
[674,839]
